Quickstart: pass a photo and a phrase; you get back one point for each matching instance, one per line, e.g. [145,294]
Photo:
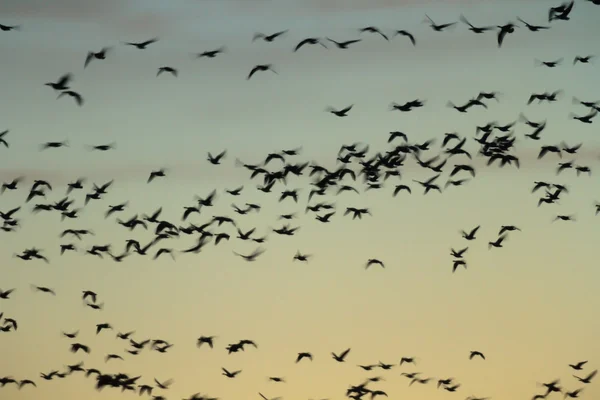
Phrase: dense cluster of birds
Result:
[357,168]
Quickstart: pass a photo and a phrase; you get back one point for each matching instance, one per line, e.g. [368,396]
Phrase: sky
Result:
[527,306]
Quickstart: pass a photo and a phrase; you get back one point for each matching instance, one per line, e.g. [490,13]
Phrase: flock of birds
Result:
[357,167]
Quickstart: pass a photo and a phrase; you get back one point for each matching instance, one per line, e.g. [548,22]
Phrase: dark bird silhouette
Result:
[74,95]
[304,355]
[561,12]
[475,353]
[161,173]
[583,59]
[2,138]
[216,160]
[498,242]
[43,289]
[505,30]
[261,68]
[458,263]
[533,28]
[309,41]
[141,45]
[407,34]
[252,256]
[340,113]
[170,70]
[470,235]
[62,83]
[578,366]
[476,29]
[209,340]
[342,356]
[100,55]
[229,374]
[8,28]
[549,64]
[588,378]
[374,261]
[268,38]
[344,45]
[372,29]
[507,228]
[211,53]
[459,253]
[438,27]
[4,295]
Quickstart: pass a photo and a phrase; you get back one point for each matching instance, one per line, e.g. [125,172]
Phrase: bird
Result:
[160,173]
[74,95]
[216,160]
[2,140]
[261,68]
[374,261]
[4,295]
[497,242]
[475,29]
[62,83]
[373,29]
[438,27]
[471,234]
[533,28]
[583,59]
[303,355]
[342,356]
[505,30]
[8,28]
[406,34]
[252,256]
[141,45]
[170,70]
[344,45]
[269,38]
[90,212]
[232,374]
[100,55]
[587,379]
[211,53]
[340,113]
[578,366]
[309,41]
[209,340]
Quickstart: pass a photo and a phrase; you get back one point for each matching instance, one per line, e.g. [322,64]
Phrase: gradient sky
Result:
[528,306]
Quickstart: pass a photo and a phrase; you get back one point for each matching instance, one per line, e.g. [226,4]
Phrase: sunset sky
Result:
[529,306]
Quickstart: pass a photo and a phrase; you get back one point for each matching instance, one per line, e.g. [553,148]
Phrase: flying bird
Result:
[169,70]
[261,68]
[141,45]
